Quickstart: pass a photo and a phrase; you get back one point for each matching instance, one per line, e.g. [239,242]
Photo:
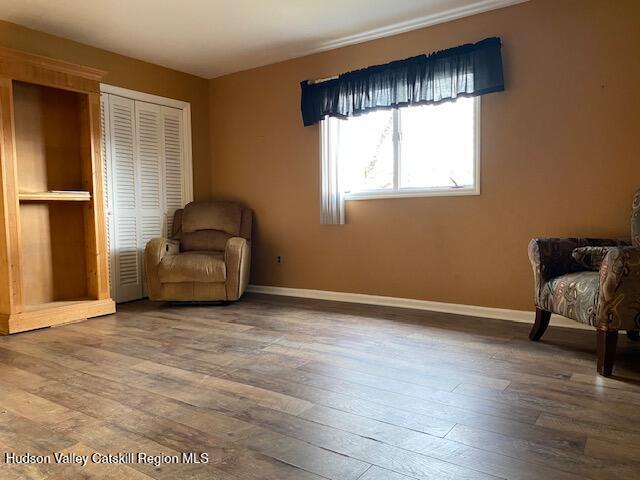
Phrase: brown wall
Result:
[560,156]
[134,74]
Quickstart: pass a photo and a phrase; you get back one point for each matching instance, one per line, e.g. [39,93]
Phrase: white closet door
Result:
[149,166]
[173,154]
[146,169]
[126,202]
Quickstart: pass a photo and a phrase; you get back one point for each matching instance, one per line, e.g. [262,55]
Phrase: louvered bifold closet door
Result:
[127,274]
[149,165]
[173,154]
[145,163]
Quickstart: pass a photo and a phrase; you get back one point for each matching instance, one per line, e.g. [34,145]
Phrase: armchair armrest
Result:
[552,257]
[237,257]
[619,295]
[154,251]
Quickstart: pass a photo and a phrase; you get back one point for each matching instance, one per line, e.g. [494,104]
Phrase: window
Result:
[410,151]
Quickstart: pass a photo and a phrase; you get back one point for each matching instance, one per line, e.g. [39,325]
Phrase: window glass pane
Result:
[365,151]
[437,147]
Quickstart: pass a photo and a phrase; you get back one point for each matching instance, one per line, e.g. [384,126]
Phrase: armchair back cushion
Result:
[590,258]
[207,225]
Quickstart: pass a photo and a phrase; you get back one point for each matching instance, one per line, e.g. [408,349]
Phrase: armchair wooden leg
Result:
[606,348]
[633,335]
[540,325]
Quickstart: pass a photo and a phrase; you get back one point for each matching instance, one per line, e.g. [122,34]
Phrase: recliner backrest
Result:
[207,225]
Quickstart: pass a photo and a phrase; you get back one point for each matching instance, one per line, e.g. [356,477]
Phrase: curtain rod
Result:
[320,80]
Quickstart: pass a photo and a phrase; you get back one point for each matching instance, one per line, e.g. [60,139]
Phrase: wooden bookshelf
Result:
[53,259]
[54,196]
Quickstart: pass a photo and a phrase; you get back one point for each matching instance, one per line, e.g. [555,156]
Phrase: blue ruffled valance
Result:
[468,70]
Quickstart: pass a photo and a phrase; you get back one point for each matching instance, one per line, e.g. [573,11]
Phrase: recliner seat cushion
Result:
[573,295]
[207,267]
[211,215]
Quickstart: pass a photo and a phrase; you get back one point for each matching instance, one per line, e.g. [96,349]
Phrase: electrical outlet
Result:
[279,259]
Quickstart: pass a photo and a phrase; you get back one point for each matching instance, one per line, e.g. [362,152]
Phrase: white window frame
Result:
[398,192]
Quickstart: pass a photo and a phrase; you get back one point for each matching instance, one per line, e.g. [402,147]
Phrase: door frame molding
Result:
[186,126]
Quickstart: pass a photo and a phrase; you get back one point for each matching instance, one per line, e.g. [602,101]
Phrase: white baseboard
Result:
[521,316]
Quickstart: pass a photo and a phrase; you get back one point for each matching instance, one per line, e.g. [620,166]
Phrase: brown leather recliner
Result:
[208,257]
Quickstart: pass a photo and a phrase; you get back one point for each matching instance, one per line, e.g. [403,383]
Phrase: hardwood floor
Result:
[284,389]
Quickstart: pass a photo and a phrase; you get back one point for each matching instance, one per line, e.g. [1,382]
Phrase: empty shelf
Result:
[60,196]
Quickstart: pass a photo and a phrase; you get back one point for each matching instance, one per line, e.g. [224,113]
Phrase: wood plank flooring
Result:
[284,389]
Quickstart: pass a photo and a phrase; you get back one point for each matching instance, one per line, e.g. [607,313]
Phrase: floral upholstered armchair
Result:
[592,281]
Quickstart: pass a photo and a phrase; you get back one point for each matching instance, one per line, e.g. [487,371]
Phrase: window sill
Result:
[410,193]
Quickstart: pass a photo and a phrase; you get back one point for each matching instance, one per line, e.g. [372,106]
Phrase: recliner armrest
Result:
[237,258]
[619,295]
[154,251]
[159,247]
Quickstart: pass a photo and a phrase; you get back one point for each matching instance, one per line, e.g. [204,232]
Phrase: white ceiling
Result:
[210,38]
